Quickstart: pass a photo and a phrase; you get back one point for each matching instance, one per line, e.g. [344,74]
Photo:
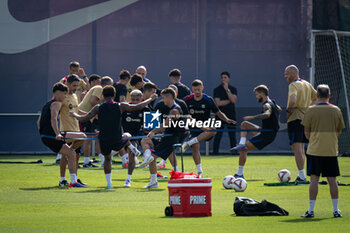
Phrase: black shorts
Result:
[198,132]
[296,132]
[107,147]
[164,147]
[327,166]
[263,139]
[53,144]
[90,127]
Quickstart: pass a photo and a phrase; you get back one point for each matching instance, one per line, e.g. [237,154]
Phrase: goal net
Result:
[330,58]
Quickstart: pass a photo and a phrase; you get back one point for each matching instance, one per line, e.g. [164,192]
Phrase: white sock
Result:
[176,168]
[302,174]
[86,160]
[147,153]
[132,148]
[153,178]
[199,168]
[335,204]
[73,178]
[242,141]
[63,178]
[311,205]
[102,158]
[124,158]
[192,141]
[128,177]
[240,170]
[109,178]
[59,156]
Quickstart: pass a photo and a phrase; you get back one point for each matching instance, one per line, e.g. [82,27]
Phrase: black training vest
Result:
[45,119]
[273,121]
[110,121]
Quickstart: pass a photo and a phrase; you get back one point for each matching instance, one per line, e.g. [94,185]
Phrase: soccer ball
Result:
[240,185]
[227,182]
[284,176]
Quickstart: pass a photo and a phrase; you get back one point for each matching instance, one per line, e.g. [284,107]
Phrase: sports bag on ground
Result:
[244,206]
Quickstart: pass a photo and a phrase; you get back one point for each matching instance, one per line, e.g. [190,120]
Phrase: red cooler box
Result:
[189,197]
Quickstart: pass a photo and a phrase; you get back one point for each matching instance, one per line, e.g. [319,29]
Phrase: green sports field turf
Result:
[30,200]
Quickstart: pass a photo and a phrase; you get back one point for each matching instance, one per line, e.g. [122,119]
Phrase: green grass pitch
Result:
[30,200]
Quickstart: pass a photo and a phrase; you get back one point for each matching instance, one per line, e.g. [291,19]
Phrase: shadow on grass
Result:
[24,162]
[295,220]
[149,190]
[143,180]
[43,188]
[134,180]
[99,190]
[254,180]
[172,217]
[300,219]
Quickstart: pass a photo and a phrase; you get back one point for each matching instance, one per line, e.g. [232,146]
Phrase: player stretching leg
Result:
[270,126]
[200,105]
[132,123]
[48,126]
[69,126]
[165,146]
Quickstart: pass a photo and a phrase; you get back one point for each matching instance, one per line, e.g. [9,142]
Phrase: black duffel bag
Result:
[244,206]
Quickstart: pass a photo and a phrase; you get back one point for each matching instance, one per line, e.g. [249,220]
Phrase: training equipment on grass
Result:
[284,176]
[244,206]
[227,182]
[240,185]
[189,197]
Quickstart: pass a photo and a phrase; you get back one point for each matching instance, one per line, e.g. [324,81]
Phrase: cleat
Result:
[337,214]
[80,182]
[126,164]
[146,161]
[76,185]
[238,148]
[298,180]
[109,186]
[308,214]
[160,176]
[161,164]
[151,185]
[238,176]
[184,147]
[88,165]
[58,161]
[200,174]
[63,183]
[127,183]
